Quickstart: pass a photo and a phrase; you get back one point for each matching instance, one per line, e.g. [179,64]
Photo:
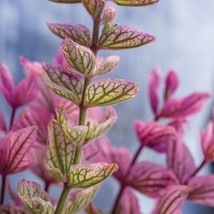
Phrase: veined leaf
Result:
[135,2]
[12,209]
[94,7]
[64,83]
[79,57]
[19,143]
[34,198]
[66,1]
[95,129]
[105,65]
[86,175]
[109,91]
[76,134]
[80,199]
[78,33]
[61,152]
[120,37]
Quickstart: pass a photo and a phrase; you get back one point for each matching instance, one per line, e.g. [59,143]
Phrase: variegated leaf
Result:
[79,57]
[135,2]
[78,33]
[66,1]
[120,37]
[61,152]
[76,134]
[66,84]
[96,129]
[34,198]
[105,65]
[94,7]
[80,199]
[86,175]
[12,209]
[171,200]
[109,91]
[19,143]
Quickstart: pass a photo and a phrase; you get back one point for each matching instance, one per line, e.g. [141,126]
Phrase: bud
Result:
[109,15]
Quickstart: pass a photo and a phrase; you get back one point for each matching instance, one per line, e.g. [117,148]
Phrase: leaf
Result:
[202,190]
[80,199]
[128,203]
[185,106]
[34,197]
[60,154]
[95,129]
[171,199]
[105,65]
[86,175]
[150,179]
[135,2]
[66,1]
[94,7]
[180,160]
[154,135]
[12,209]
[79,57]
[78,33]
[76,134]
[64,83]
[120,37]
[91,209]
[20,141]
[109,91]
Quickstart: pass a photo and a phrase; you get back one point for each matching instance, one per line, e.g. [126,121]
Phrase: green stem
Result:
[3,187]
[63,199]
[96,29]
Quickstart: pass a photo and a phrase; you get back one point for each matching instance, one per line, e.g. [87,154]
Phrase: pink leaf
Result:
[154,82]
[180,161]
[154,135]
[171,84]
[128,203]
[150,179]
[3,126]
[171,199]
[94,7]
[202,190]
[185,106]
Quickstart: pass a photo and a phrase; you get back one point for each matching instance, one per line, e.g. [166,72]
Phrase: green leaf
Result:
[109,91]
[76,134]
[66,1]
[94,7]
[64,83]
[78,33]
[86,175]
[80,199]
[135,2]
[95,129]
[35,199]
[79,57]
[60,154]
[105,65]
[12,209]
[121,37]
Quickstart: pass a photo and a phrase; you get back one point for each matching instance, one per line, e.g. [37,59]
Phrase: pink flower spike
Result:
[202,190]
[185,106]
[154,135]
[171,84]
[154,82]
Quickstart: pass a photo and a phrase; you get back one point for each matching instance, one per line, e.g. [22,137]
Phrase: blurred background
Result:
[184,32]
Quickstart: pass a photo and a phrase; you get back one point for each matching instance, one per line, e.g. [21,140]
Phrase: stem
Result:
[96,28]
[196,170]
[12,117]
[47,186]
[63,199]
[3,187]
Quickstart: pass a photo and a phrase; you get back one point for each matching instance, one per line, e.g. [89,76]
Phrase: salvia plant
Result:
[59,133]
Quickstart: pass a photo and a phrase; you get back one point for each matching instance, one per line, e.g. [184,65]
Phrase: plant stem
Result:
[63,199]
[196,170]
[3,187]
[12,117]
[96,28]
[47,185]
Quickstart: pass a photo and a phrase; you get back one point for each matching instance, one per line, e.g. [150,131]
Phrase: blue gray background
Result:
[184,32]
